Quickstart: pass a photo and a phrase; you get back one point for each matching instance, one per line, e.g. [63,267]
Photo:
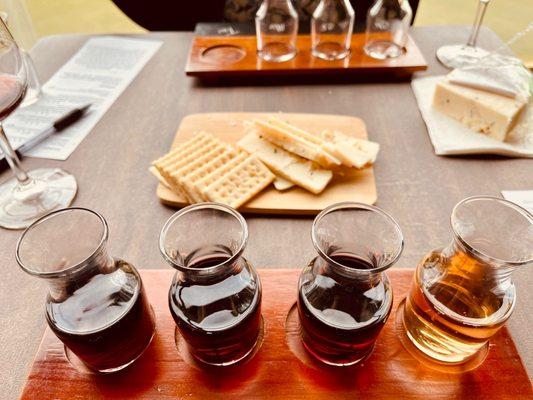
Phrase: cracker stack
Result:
[206,169]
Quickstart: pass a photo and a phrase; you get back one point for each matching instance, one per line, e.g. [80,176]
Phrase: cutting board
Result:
[356,185]
[279,370]
[223,56]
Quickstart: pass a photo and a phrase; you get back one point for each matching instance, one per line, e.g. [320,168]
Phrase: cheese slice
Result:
[488,113]
[295,142]
[282,184]
[301,172]
[353,152]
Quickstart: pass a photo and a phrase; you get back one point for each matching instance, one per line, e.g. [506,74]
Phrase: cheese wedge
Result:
[301,172]
[484,112]
[294,141]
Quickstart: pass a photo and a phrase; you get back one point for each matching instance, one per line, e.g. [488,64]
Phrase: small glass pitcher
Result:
[387,28]
[344,295]
[96,304]
[276,26]
[215,296]
[463,294]
[331,29]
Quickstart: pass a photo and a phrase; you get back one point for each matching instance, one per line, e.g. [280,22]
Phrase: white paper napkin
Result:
[523,198]
[450,137]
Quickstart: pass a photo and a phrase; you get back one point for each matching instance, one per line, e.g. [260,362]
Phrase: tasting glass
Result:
[29,195]
[331,29]
[387,28]
[462,294]
[96,304]
[463,55]
[276,26]
[215,296]
[344,295]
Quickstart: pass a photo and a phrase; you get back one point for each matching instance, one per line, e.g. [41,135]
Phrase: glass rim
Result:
[347,205]
[201,206]
[525,213]
[70,269]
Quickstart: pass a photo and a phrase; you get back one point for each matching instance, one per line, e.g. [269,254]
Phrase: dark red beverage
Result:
[11,94]
[219,316]
[341,314]
[116,323]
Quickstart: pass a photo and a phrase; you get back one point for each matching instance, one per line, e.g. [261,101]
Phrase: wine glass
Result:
[29,195]
[463,55]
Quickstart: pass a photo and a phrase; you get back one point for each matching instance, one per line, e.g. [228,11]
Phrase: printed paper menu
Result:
[97,74]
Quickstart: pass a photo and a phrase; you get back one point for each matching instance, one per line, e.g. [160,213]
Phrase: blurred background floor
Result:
[48,17]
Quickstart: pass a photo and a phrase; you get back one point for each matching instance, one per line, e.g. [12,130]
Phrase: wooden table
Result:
[414,185]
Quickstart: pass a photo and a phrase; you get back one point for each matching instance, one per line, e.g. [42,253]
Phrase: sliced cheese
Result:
[282,184]
[484,112]
[301,172]
[295,143]
[353,152]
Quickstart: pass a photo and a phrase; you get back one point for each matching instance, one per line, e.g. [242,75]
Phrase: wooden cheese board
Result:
[234,56]
[356,185]
[277,371]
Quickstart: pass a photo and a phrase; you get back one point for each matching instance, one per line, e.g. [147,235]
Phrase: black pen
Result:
[64,122]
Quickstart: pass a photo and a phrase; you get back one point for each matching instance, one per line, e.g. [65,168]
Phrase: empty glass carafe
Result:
[463,294]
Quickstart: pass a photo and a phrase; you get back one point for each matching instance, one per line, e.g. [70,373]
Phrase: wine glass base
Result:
[52,189]
[460,55]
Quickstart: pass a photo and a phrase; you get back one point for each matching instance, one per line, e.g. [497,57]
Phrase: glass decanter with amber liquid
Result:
[463,294]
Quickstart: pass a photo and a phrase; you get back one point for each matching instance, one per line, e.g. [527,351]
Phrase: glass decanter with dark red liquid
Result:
[215,296]
[344,296]
[96,304]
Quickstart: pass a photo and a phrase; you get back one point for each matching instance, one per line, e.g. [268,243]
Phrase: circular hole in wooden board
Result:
[223,54]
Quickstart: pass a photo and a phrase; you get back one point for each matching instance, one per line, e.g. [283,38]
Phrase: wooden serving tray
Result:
[354,186]
[219,56]
[275,372]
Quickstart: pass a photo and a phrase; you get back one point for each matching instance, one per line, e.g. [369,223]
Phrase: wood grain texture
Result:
[357,185]
[417,187]
[275,372]
[218,56]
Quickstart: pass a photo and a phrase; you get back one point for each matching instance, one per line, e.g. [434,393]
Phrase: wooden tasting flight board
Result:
[275,372]
[223,56]
[356,185]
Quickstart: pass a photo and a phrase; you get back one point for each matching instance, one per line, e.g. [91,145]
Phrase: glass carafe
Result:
[387,27]
[462,294]
[215,296]
[331,29]
[276,26]
[96,304]
[344,295]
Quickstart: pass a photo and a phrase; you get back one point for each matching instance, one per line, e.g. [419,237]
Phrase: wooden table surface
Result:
[417,187]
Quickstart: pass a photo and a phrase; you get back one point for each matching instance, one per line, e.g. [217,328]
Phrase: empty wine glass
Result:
[29,195]
[462,55]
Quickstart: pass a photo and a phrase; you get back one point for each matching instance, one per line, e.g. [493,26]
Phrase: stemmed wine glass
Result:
[462,55]
[29,195]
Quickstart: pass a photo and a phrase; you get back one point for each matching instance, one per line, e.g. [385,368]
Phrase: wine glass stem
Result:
[12,158]
[480,14]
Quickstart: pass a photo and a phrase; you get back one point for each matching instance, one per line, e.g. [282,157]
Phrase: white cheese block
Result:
[488,113]
[301,172]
